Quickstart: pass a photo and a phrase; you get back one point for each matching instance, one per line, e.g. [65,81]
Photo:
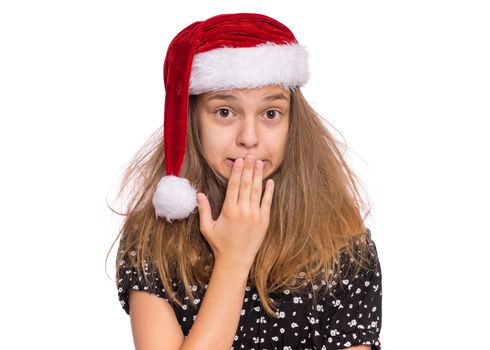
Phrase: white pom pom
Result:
[174,198]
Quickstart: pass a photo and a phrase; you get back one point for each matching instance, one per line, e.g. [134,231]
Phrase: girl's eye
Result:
[223,112]
[272,113]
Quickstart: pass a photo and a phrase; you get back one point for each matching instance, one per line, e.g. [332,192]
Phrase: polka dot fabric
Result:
[348,315]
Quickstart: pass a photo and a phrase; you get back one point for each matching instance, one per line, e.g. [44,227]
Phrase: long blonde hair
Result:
[316,212]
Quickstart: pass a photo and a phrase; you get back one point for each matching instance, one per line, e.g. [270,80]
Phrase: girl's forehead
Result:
[275,91]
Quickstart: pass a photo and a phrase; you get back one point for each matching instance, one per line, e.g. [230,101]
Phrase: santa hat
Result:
[242,50]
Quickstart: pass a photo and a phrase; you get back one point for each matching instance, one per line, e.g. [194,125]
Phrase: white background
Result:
[406,83]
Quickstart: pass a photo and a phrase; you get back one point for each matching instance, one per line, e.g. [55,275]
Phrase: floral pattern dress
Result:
[348,315]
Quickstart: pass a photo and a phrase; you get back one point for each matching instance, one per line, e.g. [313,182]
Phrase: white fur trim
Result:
[174,198]
[251,67]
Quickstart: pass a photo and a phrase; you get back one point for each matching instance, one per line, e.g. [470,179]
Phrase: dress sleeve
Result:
[131,277]
[351,315]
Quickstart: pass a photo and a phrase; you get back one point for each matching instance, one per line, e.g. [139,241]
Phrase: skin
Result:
[240,122]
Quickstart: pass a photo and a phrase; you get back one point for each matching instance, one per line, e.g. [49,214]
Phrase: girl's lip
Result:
[231,161]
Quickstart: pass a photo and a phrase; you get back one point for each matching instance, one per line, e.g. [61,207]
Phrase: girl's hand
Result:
[238,232]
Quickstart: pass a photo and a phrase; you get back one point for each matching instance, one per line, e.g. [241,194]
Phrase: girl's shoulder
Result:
[361,255]
[359,267]
[360,249]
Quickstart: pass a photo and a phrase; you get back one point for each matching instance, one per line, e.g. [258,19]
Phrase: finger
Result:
[233,187]
[205,218]
[246,182]
[266,204]
[257,185]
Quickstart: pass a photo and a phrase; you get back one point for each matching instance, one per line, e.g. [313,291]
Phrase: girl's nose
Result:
[248,135]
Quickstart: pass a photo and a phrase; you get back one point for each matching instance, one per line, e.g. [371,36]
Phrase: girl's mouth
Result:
[231,161]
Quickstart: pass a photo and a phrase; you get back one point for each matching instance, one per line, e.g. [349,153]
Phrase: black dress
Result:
[349,315]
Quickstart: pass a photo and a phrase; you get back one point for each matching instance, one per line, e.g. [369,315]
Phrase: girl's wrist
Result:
[233,266]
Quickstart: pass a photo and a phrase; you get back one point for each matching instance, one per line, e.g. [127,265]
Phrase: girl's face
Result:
[238,122]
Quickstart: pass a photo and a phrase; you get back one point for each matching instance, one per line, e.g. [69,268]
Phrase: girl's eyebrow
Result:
[222,97]
[279,96]
[227,97]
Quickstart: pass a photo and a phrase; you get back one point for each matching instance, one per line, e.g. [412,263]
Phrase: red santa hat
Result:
[228,51]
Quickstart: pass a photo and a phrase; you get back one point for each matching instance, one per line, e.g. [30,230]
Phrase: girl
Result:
[276,256]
